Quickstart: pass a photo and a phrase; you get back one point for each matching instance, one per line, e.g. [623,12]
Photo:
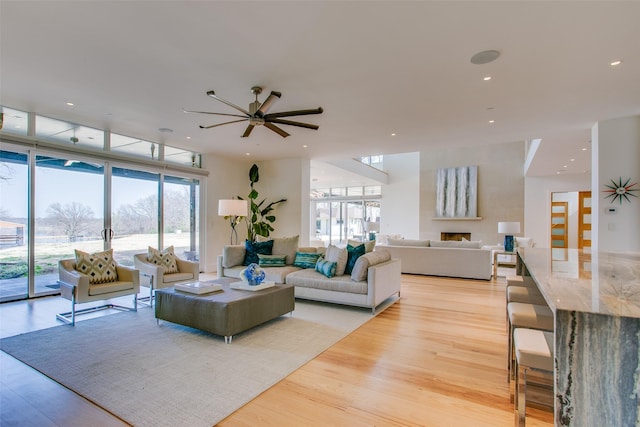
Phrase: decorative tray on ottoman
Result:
[198,288]
[246,287]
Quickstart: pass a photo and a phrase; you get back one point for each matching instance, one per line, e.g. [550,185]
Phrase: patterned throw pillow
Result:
[255,248]
[328,268]
[166,259]
[354,252]
[99,266]
[306,260]
[271,260]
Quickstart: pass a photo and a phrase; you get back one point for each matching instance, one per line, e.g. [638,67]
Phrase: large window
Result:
[343,213]
[72,193]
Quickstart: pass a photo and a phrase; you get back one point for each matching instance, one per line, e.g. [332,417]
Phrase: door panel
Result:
[559,220]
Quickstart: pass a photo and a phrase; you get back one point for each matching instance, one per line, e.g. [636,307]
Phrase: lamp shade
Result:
[232,207]
[508,227]
[372,227]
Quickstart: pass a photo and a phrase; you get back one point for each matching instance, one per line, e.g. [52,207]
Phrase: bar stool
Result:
[534,351]
[530,316]
[525,294]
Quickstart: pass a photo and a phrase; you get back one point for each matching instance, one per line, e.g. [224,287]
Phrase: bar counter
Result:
[595,298]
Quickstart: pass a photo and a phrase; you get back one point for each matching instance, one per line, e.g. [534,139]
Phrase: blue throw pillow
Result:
[353,253]
[327,268]
[255,248]
[306,260]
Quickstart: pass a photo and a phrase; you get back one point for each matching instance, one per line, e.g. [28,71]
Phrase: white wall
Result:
[537,202]
[227,179]
[500,189]
[400,203]
[616,154]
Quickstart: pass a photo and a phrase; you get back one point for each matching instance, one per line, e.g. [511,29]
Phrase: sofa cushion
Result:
[283,246]
[327,268]
[255,248]
[271,260]
[339,256]
[165,258]
[99,266]
[408,242]
[233,255]
[306,260]
[472,244]
[353,253]
[369,245]
[312,279]
[361,267]
[109,287]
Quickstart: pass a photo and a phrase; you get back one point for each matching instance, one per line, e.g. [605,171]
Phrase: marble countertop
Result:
[600,282]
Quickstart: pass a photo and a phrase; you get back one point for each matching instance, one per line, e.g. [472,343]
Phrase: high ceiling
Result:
[377,68]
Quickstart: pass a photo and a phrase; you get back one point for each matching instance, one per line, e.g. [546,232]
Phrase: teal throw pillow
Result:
[271,260]
[328,268]
[255,248]
[353,253]
[306,260]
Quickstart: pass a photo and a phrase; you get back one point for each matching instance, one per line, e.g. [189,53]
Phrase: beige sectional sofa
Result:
[374,279]
[442,258]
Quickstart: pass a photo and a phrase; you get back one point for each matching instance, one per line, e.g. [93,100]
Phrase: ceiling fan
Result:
[258,115]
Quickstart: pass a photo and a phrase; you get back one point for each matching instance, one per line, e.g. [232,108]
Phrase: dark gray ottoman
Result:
[227,312]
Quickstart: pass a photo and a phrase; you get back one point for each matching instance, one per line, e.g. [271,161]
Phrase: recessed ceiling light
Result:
[572,160]
[188,137]
[487,78]
[485,57]
[247,154]
[70,104]
[305,146]
[615,63]
[565,166]
[492,121]
[584,149]
[393,134]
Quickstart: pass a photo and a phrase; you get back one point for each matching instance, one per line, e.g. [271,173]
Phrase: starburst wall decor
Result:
[618,190]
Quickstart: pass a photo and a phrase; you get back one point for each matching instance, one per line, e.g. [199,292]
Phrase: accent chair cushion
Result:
[271,260]
[255,248]
[339,256]
[327,268]
[353,253]
[99,266]
[165,258]
[306,260]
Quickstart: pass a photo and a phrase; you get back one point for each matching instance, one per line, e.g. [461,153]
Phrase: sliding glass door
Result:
[68,214]
[134,206]
[14,254]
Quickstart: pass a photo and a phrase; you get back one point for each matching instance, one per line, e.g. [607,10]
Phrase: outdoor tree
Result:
[73,217]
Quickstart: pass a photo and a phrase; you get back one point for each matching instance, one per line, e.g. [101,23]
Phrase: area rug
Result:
[167,375]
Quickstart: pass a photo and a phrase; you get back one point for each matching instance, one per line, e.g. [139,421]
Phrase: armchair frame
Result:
[188,271]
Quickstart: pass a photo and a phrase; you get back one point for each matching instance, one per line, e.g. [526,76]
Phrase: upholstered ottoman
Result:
[227,312]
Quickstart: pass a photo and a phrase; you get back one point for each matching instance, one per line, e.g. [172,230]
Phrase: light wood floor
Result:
[435,358]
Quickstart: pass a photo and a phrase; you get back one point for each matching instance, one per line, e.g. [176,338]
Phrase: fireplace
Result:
[455,236]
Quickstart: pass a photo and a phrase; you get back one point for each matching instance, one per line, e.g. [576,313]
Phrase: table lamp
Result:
[508,229]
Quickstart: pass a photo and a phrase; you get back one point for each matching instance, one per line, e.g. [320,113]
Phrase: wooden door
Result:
[584,219]
[559,219]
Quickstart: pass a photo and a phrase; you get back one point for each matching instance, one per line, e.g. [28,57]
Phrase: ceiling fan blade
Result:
[247,131]
[273,97]
[225,123]
[213,95]
[318,110]
[217,114]
[276,129]
[290,123]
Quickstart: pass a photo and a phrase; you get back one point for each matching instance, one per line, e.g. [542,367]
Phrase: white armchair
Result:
[188,271]
[76,287]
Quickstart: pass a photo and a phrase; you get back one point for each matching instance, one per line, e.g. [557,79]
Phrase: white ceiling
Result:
[376,68]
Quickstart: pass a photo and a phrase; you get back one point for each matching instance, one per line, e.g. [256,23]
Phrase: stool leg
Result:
[509,352]
[520,399]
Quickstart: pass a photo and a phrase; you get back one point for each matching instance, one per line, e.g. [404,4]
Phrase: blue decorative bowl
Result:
[253,274]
